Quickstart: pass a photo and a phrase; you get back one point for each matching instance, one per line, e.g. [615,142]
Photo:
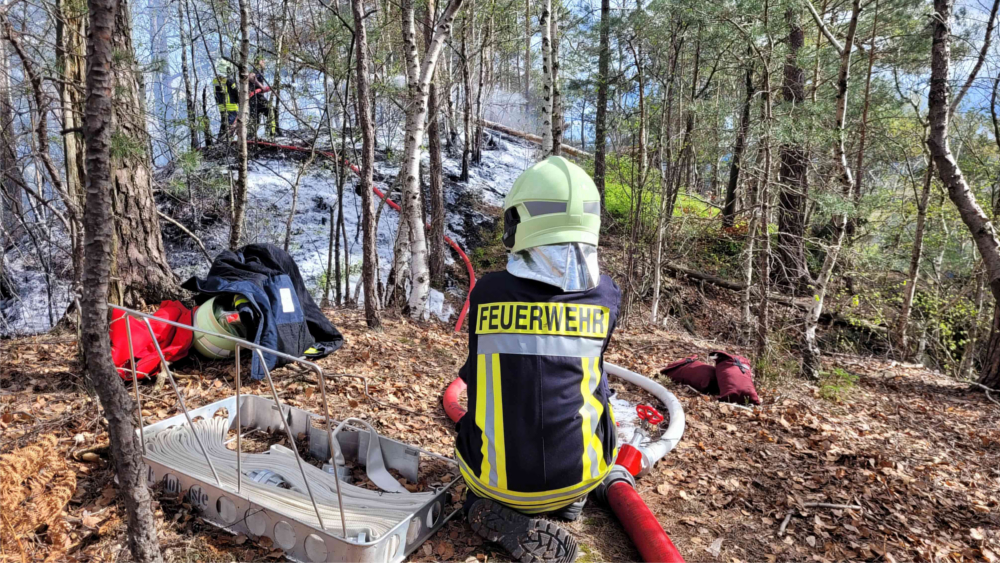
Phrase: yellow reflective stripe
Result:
[590,412]
[585,413]
[595,442]
[481,413]
[498,445]
[524,501]
[558,319]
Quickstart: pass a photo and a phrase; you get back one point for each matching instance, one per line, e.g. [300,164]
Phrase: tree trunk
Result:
[367,164]
[437,251]
[419,75]
[527,59]
[139,272]
[468,23]
[729,208]
[863,133]
[12,177]
[547,98]
[664,187]
[557,110]
[811,354]
[71,51]
[477,136]
[951,176]
[600,120]
[792,273]
[916,254]
[968,363]
[104,39]
[189,95]
[241,188]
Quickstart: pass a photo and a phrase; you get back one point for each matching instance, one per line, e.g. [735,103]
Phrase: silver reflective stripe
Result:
[566,494]
[591,378]
[490,431]
[545,207]
[539,345]
[593,207]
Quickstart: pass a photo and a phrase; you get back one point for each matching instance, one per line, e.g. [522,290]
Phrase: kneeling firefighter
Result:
[539,434]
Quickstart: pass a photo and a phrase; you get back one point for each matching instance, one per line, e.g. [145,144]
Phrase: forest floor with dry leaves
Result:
[917,452]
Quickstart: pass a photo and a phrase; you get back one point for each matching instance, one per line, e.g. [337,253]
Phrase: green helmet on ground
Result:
[213,316]
[553,202]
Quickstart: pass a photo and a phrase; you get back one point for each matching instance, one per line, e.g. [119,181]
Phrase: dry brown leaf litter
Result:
[919,453]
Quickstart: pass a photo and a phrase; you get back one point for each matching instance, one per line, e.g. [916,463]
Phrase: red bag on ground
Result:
[693,372]
[735,378]
[175,342]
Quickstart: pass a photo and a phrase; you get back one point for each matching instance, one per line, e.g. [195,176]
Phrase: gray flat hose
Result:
[373,513]
[655,451]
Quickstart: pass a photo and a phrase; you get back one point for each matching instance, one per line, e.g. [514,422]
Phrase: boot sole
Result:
[529,540]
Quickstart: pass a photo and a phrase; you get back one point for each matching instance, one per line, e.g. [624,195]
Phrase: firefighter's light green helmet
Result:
[553,202]
[206,317]
[223,67]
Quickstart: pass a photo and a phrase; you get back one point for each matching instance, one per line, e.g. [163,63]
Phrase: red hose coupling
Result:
[630,458]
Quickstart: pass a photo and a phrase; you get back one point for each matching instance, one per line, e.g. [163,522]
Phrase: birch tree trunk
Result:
[241,188]
[557,110]
[367,164]
[811,354]
[979,225]
[419,75]
[527,58]
[99,241]
[547,94]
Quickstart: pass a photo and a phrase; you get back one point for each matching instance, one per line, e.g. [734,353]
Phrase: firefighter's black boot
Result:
[527,539]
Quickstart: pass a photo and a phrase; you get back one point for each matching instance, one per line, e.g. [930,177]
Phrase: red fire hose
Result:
[392,204]
[639,522]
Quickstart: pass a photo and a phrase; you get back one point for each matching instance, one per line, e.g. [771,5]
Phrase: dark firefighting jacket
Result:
[539,432]
[227,94]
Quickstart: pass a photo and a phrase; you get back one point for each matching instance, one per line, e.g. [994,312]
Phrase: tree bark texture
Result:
[435,193]
[468,23]
[811,353]
[139,272]
[241,188]
[916,254]
[979,225]
[729,208]
[601,119]
[99,242]
[419,74]
[557,110]
[791,272]
[367,164]
[547,98]
[189,95]
[12,179]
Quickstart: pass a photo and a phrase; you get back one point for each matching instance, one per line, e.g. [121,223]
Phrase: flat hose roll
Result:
[641,525]
[373,513]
